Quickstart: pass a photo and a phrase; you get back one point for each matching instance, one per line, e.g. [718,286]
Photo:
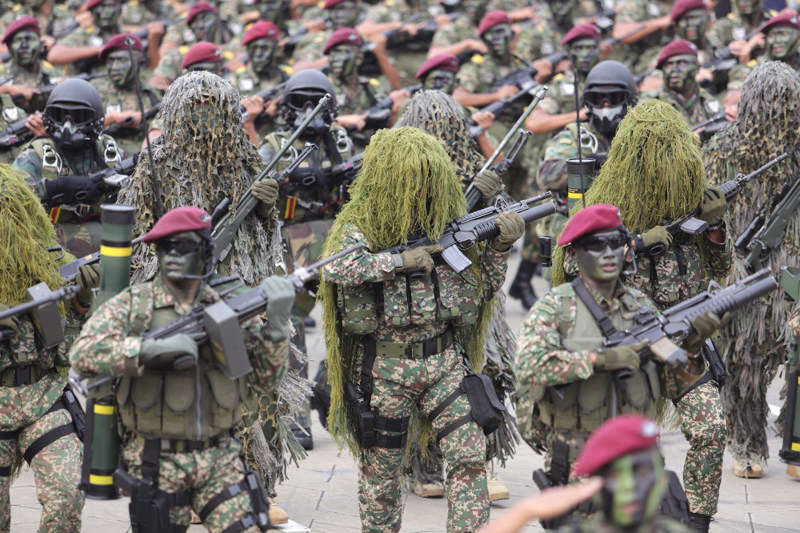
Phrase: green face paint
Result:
[634,485]
[120,68]
[561,11]
[601,256]
[180,256]
[584,54]
[679,73]
[262,54]
[106,14]
[25,47]
[498,39]
[343,15]
[693,25]
[782,43]
[440,80]
[204,26]
[343,60]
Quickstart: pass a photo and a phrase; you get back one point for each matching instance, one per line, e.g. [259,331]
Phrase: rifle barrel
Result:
[60,294]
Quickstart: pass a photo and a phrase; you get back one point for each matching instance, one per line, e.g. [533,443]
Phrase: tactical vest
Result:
[52,164]
[443,296]
[197,403]
[577,409]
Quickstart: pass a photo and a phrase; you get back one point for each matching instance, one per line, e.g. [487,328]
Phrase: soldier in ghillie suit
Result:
[35,423]
[654,150]
[401,356]
[768,125]
[179,411]
[440,115]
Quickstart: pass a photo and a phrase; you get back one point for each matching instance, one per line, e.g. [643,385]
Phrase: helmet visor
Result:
[612,98]
[76,115]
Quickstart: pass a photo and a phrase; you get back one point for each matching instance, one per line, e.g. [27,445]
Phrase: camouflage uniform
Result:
[309,46]
[400,383]
[112,339]
[136,14]
[639,55]
[461,29]
[9,114]
[83,37]
[51,24]
[115,100]
[77,229]
[169,67]
[45,74]
[699,107]
[248,83]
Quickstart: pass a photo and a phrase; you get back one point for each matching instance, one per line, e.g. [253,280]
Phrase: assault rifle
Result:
[219,323]
[127,129]
[691,225]
[477,226]
[764,234]
[39,100]
[380,113]
[397,38]
[676,322]
[15,135]
[723,57]
[494,108]
[87,189]
[43,305]
[290,184]
[523,79]
[715,119]
[616,40]
[230,222]
[266,95]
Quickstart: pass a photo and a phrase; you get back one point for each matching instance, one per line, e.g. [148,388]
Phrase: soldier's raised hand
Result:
[488,183]
[713,207]
[418,259]
[656,241]
[704,326]
[511,226]
[618,358]
[88,278]
[266,192]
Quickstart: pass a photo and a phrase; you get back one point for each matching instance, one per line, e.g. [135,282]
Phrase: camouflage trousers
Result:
[205,473]
[56,470]
[400,385]
[703,425]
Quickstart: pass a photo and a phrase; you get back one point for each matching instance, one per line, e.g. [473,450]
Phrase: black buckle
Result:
[22,375]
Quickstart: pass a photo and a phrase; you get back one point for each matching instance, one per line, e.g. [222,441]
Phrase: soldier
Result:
[122,114]
[782,44]
[752,344]
[338,14]
[73,119]
[560,345]
[79,50]
[692,20]
[204,57]
[643,46]
[411,354]
[26,72]
[681,90]
[745,18]
[667,159]
[166,440]
[36,421]
[54,17]
[458,37]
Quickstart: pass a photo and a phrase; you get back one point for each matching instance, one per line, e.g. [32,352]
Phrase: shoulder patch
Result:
[133,2]
[91,29]
[183,49]
[46,64]
[752,63]
[730,16]
[16,7]
[389,3]
[318,39]
[374,82]
[558,76]
[286,69]
[477,58]
[240,69]
[227,55]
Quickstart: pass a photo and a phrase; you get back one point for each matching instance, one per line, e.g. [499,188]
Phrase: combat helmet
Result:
[608,93]
[74,114]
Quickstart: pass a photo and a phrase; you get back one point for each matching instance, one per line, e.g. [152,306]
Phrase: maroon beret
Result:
[583,31]
[681,7]
[784,20]
[22,23]
[343,35]
[600,217]
[676,48]
[447,62]
[202,52]
[262,29]
[117,42]
[199,7]
[617,437]
[492,19]
[179,220]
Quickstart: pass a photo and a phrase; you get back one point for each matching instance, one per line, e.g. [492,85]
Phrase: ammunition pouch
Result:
[149,506]
[486,409]
[363,418]
[18,376]
[358,309]
[559,475]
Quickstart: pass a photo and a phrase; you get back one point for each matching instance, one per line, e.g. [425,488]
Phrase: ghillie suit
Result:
[26,234]
[654,174]
[438,114]
[754,342]
[203,156]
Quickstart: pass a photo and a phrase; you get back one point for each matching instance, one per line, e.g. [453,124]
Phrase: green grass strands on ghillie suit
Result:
[203,156]
[440,115]
[768,125]
[407,185]
[653,173]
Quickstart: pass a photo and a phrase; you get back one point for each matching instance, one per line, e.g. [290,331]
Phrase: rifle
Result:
[291,42]
[66,30]
[475,227]
[15,135]
[289,184]
[523,78]
[43,305]
[765,234]
[676,321]
[266,95]
[616,40]
[472,194]
[39,100]
[70,271]
[397,38]
[86,189]
[716,118]
[495,108]
[723,57]
[691,225]
[127,129]
[345,172]
[219,323]
[380,113]
[225,230]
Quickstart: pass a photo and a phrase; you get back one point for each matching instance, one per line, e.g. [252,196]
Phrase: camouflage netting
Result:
[405,171]
[754,343]
[203,156]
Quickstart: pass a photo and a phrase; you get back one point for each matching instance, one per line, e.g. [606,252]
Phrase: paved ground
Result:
[321,494]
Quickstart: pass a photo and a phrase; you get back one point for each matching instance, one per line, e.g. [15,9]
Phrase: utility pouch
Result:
[487,409]
[149,508]
[546,251]
[363,417]
[75,411]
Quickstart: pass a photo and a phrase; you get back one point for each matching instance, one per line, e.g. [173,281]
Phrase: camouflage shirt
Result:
[56,22]
[169,67]
[561,96]
[45,74]
[460,30]
[357,99]
[553,170]
[699,107]
[115,100]
[84,37]
[639,55]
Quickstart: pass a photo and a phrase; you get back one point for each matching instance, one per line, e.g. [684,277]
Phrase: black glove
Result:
[72,190]
[309,177]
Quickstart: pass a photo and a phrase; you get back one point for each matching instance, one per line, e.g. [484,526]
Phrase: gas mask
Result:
[584,54]
[25,47]
[106,14]
[204,26]
[440,80]
[692,26]
[343,60]
[343,15]
[606,108]
[679,73]
[119,66]
[183,256]
[71,128]
[498,39]
[262,55]
[782,43]
[633,488]
[302,103]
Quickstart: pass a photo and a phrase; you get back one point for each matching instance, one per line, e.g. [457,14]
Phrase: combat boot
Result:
[700,522]
[277,516]
[793,470]
[497,491]
[747,468]
[428,488]
[521,288]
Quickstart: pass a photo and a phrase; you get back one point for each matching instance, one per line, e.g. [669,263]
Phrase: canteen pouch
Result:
[363,418]
[487,409]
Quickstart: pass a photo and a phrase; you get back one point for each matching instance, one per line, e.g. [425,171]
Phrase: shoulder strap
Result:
[597,313]
[140,304]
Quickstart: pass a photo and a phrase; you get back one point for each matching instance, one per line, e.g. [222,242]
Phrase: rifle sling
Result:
[597,313]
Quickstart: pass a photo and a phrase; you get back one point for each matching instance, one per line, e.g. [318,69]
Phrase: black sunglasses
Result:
[600,242]
[179,246]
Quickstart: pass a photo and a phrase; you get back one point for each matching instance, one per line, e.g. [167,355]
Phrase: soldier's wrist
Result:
[397,260]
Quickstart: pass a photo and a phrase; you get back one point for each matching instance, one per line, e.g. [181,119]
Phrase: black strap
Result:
[445,403]
[242,524]
[9,435]
[150,456]
[5,471]
[395,425]
[454,425]
[47,439]
[559,464]
[367,362]
[231,491]
[594,308]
